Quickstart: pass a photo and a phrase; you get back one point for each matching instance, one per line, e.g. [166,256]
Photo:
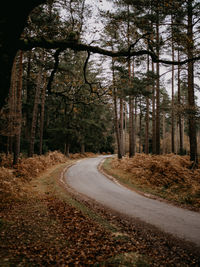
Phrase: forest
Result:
[142,97]
[82,78]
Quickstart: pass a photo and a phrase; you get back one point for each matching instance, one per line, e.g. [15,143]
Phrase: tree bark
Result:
[125,128]
[164,135]
[131,128]
[176,148]
[43,95]
[140,128]
[172,103]
[18,112]
[179,114]
[35,113]
[147,117]
[10,32]
[121,125]
[157,87]
[29,97]
[66,149]
[153,116]
[116,122]
[191,99]
[82,148]
[135,124]
[131,99]
[12,109]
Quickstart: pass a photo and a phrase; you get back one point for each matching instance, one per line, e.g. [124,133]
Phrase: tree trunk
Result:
[172,103]
[131,116]
[35,113]
[66,150]
[116,122]
[147,117]
[82,148]
[157,88]
[198,142]
[164,135]
[125,128]
[153,117]
[121,125]
[43,94]
[179,114]
[29,97]
[131,99]
[10,32]
[18,112]
[135,124]
[176,136]
[12,109]
[183,131]
[131,128]
[140,128]
[191,100]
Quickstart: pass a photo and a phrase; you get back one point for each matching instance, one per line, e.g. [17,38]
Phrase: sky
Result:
[94,23]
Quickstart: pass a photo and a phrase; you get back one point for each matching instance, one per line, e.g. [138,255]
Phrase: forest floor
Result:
[42,223]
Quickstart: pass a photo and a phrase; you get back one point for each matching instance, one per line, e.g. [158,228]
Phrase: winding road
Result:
[85,178]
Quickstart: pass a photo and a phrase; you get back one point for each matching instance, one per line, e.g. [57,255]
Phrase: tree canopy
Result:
[135,36]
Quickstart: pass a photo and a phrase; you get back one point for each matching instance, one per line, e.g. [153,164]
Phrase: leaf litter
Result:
[40,229]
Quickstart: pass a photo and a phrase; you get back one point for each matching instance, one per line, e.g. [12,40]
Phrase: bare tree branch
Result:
[91,84]
[27,44]
[85,69]
[56,57]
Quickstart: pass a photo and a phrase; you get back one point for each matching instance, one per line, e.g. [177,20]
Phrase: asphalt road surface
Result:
[86,179]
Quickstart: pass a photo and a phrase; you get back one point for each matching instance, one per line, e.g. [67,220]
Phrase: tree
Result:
[185,38]
[147,114]
[172,128]
[12,42]
[191,99]
[116,121]
[10,32]
[18,111]
[35,112]
[181,132]
[43,96]
[53,40]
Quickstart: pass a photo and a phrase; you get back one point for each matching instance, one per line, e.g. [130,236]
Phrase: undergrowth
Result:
[12,178]
[168,176]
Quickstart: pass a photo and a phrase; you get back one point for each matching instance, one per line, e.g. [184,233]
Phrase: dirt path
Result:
[86,179]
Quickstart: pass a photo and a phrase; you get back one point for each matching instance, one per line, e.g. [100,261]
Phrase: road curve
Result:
[86,179]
